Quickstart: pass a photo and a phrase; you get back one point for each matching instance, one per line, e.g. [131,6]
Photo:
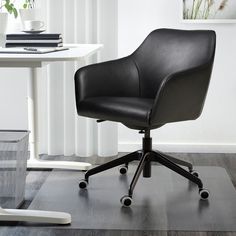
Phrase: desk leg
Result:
[51,217]
[34,162]
[33,113]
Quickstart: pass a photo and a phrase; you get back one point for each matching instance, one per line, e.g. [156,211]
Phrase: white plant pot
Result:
[3,28]
[3,22]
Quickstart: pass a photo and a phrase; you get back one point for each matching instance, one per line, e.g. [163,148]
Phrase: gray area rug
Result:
[166,201]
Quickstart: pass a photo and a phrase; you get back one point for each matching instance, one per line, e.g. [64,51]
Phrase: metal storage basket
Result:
[13,165]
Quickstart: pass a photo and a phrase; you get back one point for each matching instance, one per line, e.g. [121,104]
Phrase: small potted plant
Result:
[6,7]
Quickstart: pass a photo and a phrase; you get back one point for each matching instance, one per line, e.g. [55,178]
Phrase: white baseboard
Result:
[183,147]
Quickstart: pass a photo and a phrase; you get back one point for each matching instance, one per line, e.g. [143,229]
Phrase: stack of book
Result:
[34,40]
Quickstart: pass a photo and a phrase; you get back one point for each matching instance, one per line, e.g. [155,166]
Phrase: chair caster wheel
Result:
[204,194]
[126,201]
[83,184]
[123,170]
[194,172]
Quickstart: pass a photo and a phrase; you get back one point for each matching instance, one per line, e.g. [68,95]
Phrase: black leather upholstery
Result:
[165,80]
[124,108]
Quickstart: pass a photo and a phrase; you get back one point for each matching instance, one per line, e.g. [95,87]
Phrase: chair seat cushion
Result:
[127,110]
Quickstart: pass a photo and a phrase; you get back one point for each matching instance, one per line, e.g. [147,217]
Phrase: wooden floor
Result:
[35,179]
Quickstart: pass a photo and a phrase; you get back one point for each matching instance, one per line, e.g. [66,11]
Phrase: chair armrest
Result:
[181,95]
[112,78]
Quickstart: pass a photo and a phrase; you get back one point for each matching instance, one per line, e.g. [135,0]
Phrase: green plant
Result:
[29,4]
[202,9]
[9,6]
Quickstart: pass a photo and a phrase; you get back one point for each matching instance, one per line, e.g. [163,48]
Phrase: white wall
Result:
[215,130]
[13,92]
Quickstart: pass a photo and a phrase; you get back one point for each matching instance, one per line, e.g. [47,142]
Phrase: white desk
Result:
[76,52]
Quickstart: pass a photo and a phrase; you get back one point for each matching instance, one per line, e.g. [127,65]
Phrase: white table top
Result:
[75,53]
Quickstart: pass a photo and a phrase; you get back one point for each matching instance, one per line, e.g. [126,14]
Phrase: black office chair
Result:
[165,80]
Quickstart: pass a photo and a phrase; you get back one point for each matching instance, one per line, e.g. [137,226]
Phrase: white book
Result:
[31,50]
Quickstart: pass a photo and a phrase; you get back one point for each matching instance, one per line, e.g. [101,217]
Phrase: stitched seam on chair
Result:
[138,76]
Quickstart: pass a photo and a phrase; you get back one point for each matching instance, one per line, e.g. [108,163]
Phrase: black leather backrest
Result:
[166,51]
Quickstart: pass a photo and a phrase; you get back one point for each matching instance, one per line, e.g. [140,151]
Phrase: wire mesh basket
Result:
[13,165]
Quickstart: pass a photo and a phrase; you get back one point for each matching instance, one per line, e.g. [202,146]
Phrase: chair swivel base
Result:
[145,157]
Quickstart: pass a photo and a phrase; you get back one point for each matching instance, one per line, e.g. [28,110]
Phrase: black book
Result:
[16,41]
[33,36]
[36,45]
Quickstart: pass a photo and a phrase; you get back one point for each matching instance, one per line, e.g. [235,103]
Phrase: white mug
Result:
[33,25]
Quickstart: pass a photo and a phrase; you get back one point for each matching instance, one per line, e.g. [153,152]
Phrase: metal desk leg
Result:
[52,217]
[34,161]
